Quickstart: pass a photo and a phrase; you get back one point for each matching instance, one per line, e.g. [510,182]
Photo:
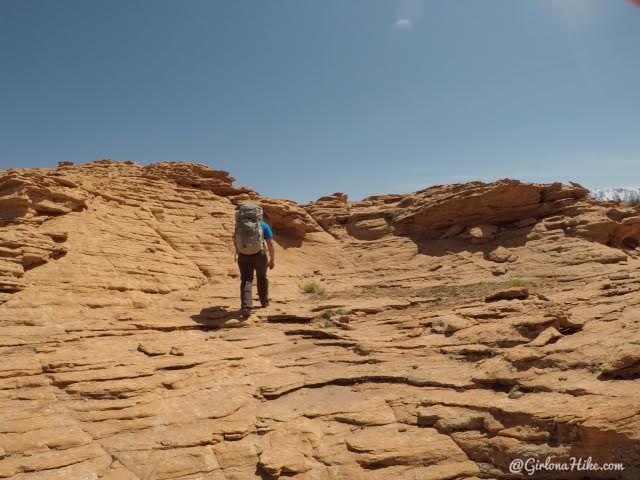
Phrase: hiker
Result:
[250,236]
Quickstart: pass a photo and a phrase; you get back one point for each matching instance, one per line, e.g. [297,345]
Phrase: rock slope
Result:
[446,332]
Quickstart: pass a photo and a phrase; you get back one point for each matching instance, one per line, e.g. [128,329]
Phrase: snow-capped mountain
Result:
[620,194]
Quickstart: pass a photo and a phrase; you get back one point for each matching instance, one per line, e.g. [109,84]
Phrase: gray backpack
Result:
[248,234]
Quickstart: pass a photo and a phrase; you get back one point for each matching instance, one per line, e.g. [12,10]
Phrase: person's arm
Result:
[272,258]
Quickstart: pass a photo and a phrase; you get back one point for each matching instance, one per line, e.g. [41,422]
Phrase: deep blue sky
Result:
[301,98]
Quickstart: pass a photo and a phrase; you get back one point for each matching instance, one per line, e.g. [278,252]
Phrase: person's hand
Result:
[271,264]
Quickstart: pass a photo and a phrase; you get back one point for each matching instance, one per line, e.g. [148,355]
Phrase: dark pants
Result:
[247,264]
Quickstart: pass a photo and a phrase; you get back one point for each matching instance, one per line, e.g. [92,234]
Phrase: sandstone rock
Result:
[499,255]
[152,350]
[48,207]
[547,336]
[482,234]
[527,433]
[381,446]
[371,229]
[14,206]
[124,356]
[476,203]
[623,363]
[288,218]
[449,419]
[290,452]
[176,351]
[498,270]
[416,332]
[450,324]
[514,293]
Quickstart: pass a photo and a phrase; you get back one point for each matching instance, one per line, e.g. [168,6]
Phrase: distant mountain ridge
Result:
[618,194]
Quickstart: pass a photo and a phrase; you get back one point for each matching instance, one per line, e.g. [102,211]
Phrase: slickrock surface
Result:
[454,330]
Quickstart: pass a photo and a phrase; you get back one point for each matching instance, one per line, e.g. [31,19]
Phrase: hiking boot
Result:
[245,313]
[265,304]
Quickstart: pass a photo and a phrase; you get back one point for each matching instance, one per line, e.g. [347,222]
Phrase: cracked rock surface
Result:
[448,331]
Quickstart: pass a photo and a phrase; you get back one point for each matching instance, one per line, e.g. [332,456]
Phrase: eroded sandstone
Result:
[457,328]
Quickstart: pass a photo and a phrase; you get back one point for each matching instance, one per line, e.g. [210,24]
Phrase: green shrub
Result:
[327,314]
[328,323]
[313,288]
[517,283]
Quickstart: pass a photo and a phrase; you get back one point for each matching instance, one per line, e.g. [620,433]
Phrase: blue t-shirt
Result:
[266,231]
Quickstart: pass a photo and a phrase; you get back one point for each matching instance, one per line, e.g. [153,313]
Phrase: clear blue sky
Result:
[301,98]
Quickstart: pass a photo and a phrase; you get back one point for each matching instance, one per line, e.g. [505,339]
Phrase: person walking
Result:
[253,238]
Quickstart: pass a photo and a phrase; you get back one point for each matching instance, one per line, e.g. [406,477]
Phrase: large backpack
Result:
[248,235]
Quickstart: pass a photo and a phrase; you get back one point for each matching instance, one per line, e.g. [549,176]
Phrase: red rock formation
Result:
[451,331]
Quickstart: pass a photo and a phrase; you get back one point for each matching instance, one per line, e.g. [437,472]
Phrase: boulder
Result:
[515,293]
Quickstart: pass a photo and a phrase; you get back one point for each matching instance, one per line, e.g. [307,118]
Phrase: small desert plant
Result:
[327,314]
[313,288]
[328,323]
[516,282]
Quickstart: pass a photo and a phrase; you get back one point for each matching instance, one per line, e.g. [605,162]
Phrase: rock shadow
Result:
[218,317]
[436,246]
[289,241]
